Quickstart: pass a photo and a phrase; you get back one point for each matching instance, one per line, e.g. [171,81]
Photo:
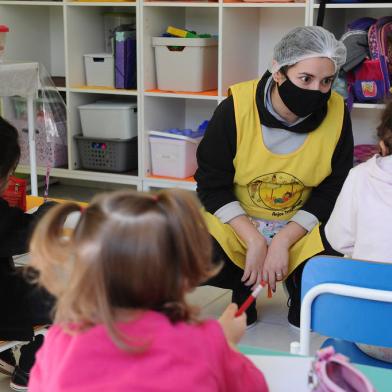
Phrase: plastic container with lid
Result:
[173,152]
[3,33]
[109,119]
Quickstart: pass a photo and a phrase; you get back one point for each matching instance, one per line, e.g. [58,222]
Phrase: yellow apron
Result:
[275,186]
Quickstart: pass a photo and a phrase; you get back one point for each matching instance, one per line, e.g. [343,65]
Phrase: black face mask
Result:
[301,101]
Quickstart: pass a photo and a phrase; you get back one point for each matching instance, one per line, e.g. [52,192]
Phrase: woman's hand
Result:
[256,249]
[277,260]
[276,263]
[255,257]
[233,327]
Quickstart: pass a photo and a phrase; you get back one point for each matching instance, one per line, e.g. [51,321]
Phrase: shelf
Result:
[114,178]
[101,4]
[356,5]
[209,95]
[49,3]
[102,90]
[55,172]
[77,174]
[368,106]
[187,4]
[264,5]
[166,182]
[165,178]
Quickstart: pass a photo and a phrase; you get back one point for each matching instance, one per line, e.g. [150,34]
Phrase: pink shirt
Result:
[181,357]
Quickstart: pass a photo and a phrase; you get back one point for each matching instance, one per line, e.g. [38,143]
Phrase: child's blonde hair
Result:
[129,250]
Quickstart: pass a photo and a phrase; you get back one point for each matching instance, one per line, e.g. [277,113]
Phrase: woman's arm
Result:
[215,154]
[256,249]
[215,176]
[320,204]
[277,260]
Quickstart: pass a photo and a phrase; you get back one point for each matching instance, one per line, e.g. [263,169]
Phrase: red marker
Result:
[250,299]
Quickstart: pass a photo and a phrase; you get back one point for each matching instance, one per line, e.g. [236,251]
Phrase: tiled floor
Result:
[272,331]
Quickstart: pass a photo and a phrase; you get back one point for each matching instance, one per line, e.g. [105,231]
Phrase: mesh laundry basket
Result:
[112,155]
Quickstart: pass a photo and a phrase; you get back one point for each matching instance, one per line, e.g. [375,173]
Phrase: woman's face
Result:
[312,74]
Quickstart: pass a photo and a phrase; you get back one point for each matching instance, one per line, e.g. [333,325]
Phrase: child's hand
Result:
[233,327]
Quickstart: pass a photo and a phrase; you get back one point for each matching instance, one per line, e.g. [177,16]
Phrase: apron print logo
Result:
[276,191]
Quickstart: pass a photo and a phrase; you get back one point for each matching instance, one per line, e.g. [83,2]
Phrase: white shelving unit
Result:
[58,33]
[246,33]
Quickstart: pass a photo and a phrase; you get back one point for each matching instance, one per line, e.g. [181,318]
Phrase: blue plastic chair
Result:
[349,300]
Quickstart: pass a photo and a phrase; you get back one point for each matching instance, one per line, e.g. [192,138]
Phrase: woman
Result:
[271,165]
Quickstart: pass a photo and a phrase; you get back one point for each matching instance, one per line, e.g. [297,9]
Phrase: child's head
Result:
[129,250]
[384,130]
[10,154]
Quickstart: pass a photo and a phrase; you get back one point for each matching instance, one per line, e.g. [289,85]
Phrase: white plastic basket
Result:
[173,155]
[99,69]
[186,64]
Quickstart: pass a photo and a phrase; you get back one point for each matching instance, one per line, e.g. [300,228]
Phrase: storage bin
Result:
[112,155]
[186,64]
[173,155]
[99,68]
[109,119]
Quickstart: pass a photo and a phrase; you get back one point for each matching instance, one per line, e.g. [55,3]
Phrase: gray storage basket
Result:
[112,155]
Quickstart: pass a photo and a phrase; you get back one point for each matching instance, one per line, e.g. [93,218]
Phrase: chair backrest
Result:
[345,317]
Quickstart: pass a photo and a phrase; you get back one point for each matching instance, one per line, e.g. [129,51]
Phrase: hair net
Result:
[308,42]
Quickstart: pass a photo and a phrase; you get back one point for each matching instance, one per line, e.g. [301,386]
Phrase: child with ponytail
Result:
[120,276]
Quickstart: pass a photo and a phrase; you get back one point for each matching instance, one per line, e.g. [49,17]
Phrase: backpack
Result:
[380,40]
[369,81]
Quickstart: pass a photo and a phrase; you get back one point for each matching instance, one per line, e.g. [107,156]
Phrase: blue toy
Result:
[187,132]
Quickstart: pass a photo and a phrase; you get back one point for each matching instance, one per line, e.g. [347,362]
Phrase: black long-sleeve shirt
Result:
[217,150]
